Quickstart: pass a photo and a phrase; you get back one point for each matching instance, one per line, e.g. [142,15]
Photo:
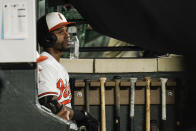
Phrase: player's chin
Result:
[64,48]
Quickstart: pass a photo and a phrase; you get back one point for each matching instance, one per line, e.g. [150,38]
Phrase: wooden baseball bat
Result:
[163,94]
[131,102]
[87,84]
[117,103]
[148,80]
[103,116]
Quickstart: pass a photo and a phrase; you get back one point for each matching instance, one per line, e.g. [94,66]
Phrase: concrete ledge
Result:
[125,65]
[165,64]
[173,64]
[78,65]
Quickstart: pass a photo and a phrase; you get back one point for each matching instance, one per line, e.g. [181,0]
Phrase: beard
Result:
[61,46]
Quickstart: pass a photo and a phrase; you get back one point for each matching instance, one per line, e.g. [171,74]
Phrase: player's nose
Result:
[67,36]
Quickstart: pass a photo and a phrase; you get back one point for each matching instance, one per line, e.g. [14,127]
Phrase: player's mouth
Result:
[67,43]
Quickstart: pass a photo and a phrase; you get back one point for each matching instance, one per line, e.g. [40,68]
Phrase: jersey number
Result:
[64,90]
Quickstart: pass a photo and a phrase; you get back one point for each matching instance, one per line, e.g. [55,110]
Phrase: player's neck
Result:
[55,53]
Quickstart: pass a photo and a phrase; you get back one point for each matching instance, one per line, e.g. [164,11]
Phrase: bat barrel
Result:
[87,84]
[117,103]
[163,94]
[148,80]
[132,100]
[132,96]
[103,116]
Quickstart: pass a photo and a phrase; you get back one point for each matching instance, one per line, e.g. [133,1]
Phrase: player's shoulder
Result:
[48,63]
[48,67]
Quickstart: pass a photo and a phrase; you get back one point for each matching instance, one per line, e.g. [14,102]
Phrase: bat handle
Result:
[148,80]
[87,84]
[163,91]
[103,116]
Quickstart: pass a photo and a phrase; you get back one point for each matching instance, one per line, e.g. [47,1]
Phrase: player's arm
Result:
[57,108]
[51,103]
[81,117]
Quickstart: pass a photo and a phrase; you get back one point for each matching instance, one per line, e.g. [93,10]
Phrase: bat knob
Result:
[116,121]
[102,79]
[133,80]
[164,80]
[147,78]
[116,77]
[87,80]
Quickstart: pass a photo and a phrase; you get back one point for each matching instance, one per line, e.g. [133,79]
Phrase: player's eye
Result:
[61,32]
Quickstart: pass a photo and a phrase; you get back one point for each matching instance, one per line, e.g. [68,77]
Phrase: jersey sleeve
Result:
[47,84]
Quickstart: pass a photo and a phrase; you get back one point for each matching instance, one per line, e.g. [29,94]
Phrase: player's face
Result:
[62,42]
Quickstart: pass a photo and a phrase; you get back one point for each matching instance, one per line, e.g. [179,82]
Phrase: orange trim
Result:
[66,102]
[59,25]
[41,58]
[46,93]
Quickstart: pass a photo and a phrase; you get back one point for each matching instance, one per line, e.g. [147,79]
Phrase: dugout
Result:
[151,39]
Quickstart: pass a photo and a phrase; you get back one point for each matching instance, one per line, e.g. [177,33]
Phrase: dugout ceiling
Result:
[163,25]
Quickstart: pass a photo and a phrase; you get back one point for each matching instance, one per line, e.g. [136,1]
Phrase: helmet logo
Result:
[60,16]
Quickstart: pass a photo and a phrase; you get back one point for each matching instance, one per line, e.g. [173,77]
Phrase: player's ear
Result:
[50,39]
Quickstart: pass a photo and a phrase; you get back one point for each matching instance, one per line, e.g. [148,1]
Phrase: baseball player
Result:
[54,89]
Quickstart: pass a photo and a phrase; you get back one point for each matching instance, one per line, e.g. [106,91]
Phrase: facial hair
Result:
[61,46]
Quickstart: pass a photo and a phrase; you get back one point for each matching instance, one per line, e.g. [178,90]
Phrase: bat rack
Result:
[94,92]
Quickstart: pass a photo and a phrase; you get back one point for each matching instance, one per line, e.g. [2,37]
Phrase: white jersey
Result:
[54,80]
